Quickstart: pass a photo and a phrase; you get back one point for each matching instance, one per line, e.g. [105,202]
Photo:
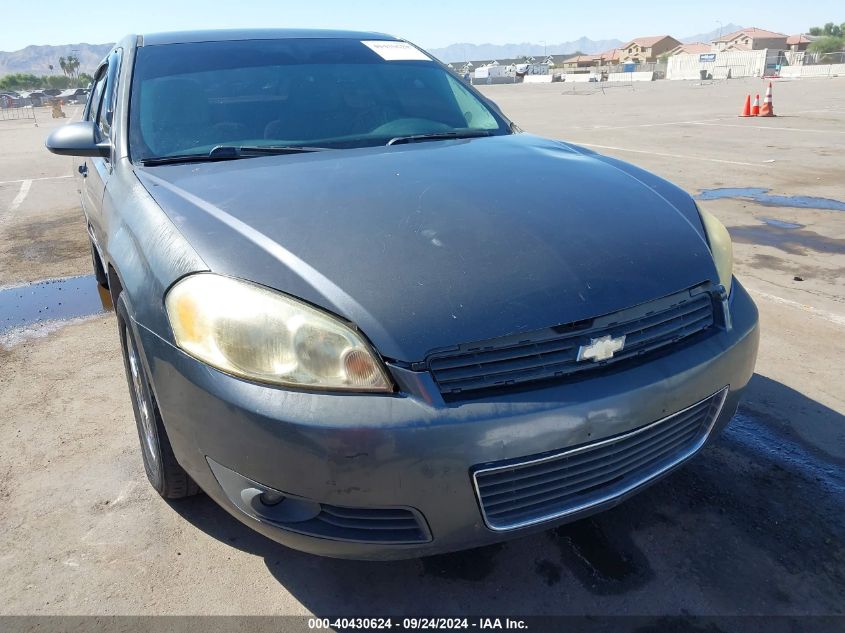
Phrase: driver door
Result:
[96,170]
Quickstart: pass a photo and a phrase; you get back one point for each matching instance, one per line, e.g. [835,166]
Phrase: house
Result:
[800,42]
[693,48]
[609,57]
[641,50]
[750,39]
[579,61]
[606,58]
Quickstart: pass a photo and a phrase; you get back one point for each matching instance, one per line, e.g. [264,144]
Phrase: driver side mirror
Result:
[77,139]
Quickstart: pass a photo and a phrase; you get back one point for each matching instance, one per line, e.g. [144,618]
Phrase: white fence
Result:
[822,70]
[579,77]
[808,58]
[721,65]
[537,79]
[629,77]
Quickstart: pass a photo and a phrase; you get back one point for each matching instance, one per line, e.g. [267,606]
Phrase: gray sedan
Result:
[370,317]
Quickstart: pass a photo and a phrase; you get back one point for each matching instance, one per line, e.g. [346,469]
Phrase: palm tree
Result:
[63,65]
[73,65]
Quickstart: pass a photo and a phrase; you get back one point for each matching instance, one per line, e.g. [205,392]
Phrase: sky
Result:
[428,23]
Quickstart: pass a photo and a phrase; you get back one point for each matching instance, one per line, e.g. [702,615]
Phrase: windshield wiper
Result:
[241,151]
[230,152]
[436,136]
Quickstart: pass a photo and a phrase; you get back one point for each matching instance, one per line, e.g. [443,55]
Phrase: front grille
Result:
[543,488]
[552,353]
[370,525]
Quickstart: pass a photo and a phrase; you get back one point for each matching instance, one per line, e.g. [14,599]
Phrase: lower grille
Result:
[543,488]
[370,525]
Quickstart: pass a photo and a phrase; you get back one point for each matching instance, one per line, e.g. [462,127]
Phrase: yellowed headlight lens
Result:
[720,246]
[256,333]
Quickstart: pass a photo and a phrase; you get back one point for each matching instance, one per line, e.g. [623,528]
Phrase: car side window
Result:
[96,95]
[105,113]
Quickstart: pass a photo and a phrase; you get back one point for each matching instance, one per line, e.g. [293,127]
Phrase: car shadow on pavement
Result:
[753,524]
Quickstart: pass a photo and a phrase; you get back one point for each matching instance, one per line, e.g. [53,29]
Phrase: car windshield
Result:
[329,93]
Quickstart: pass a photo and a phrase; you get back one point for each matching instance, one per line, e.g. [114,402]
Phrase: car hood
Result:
[434,244]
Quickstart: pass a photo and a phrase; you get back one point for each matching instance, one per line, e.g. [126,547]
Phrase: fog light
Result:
[263,502]
[271,498]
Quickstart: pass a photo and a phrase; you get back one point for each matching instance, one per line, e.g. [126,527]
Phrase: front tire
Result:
[163,471]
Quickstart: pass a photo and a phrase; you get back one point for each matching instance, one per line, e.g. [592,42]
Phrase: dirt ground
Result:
[754,525]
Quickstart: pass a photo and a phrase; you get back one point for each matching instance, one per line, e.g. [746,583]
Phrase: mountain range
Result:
[711,35]
[463,52]
[37,59]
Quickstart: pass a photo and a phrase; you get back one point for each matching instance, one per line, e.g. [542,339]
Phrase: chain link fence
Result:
[16,108]
[809,64]
[806,58]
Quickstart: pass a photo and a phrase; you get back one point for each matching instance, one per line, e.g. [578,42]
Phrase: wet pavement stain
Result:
[474,564]
[804,269]
[52,300]
[762,196]
[548,571]
[752,430]
[605,562]
[784,499]
[795,241]
[781,224]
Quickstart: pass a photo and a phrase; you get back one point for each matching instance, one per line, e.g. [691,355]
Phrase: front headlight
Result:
[720,246]
[256,333]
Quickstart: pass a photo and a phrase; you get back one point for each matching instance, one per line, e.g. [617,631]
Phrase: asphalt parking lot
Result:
[754,525]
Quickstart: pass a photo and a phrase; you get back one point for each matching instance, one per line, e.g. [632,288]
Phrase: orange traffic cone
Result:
[768,108]
[746,110]
[755,109]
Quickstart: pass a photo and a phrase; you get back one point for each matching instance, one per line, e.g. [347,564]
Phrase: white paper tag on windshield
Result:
[395,51]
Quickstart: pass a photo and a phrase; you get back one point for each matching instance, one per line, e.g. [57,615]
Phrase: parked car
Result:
[73,95]
[34,98]
[342,321]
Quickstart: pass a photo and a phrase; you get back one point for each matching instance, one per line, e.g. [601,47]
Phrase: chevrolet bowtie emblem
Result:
[601,348]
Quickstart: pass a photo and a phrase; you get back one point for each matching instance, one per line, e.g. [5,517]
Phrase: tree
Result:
[56,81]
[20,81]
[832,29]
[831,38]
[827,44]
[69,66]
[84,80]
[72,65]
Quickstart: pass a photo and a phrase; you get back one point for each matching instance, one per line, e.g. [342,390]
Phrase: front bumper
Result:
[400,451]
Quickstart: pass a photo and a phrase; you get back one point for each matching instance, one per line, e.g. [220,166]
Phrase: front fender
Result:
[143,248]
